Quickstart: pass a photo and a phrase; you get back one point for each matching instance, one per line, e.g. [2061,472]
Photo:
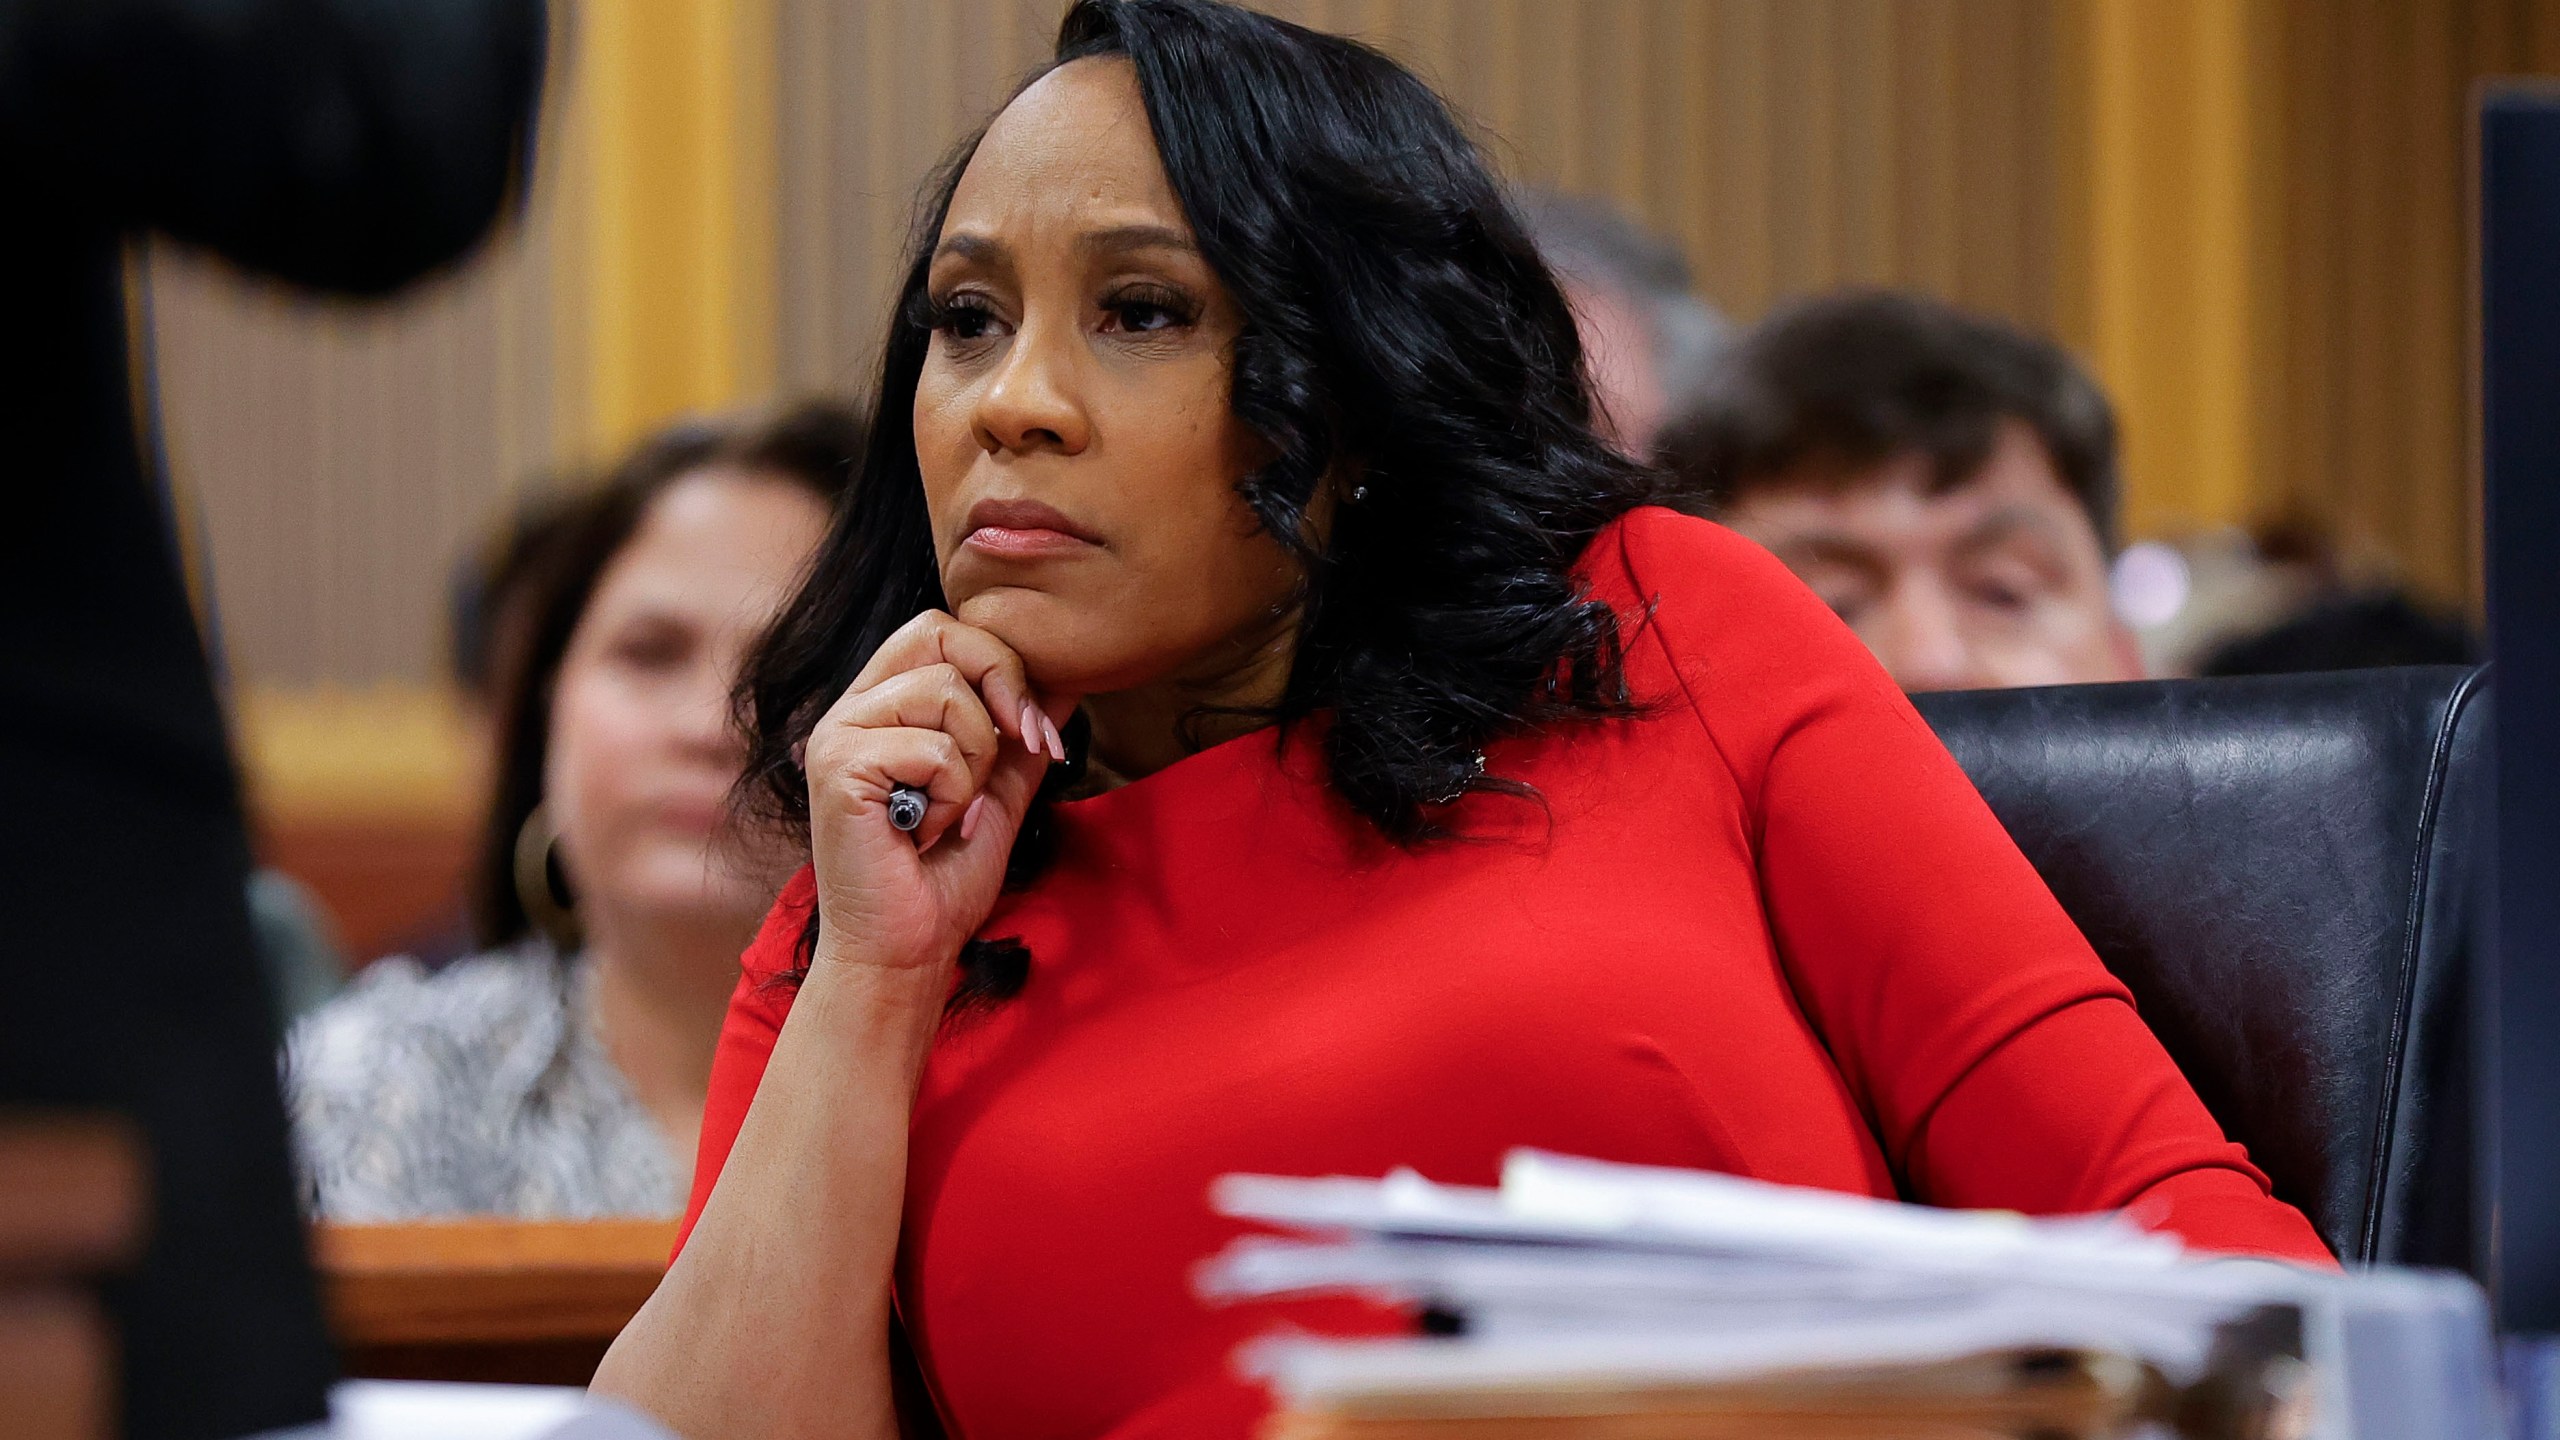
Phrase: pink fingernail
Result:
[969,817]
[1030,729]
[1057,747]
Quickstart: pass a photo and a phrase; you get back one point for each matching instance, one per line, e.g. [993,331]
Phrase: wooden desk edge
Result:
[480,1281]
[72,1192]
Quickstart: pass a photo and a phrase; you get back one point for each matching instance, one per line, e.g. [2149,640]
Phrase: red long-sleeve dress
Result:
[1766,928]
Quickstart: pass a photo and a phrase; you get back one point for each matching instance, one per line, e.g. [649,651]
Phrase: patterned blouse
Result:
[480,1089]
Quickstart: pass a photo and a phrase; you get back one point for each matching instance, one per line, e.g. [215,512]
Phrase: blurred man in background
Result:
[345,145]
[1646,336]
[1944,482]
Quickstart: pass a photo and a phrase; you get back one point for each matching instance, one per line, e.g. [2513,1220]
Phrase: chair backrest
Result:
[2285,870]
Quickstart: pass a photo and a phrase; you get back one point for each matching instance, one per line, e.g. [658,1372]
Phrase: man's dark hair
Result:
[1859,377]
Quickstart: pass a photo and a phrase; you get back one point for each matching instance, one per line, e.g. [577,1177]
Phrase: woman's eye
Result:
[1137,316]
[652,649]
[1142,313]
[963,320]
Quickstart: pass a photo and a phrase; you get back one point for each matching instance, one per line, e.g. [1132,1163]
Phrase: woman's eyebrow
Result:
[1136,237]
[985,249]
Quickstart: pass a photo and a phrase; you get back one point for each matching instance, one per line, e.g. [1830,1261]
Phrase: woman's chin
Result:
[707,912]
[694,888]
[1054,640]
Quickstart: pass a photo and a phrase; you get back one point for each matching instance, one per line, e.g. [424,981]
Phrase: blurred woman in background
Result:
[561,1070]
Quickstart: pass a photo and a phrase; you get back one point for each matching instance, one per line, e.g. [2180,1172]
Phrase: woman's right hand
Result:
[947,708]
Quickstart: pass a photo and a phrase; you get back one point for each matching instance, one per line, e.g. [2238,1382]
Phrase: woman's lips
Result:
[1024,542]
[1024,529]
[699,816]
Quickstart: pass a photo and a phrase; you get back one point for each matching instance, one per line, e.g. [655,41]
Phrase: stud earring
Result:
[1475,772]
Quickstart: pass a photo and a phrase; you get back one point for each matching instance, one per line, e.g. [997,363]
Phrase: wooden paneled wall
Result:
[728,185]
[668,131]
[339,457]
[875,92]
[1788,145]
[2368,174]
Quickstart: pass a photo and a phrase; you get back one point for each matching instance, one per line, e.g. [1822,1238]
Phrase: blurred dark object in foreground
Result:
[2518,292]
[344,145]
[2354,630]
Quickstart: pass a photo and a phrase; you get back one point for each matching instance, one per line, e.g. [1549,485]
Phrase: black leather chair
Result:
[2284,869]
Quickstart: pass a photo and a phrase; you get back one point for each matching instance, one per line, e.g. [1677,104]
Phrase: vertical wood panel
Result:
[2172,286]
[1925,61]
[676,99]
[2367,354]
[1870,159]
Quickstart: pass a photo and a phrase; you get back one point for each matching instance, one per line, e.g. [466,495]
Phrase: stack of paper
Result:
[437,1410]
[1590,1300]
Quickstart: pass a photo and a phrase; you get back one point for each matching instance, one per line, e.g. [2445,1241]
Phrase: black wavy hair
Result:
[1398,323]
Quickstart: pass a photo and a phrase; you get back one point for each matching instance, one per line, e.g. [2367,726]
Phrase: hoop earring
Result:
[548,908]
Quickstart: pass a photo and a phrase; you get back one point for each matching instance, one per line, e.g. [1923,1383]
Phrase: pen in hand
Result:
[906,808]
[907,803]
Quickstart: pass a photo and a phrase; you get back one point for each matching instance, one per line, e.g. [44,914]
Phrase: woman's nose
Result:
[704,721]
[1031,402]
[1921,639]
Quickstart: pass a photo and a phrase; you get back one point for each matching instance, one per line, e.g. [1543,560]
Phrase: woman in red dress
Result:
[1332,765]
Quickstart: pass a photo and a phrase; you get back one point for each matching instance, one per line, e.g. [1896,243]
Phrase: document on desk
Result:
[429,1410]
[1587,1299]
